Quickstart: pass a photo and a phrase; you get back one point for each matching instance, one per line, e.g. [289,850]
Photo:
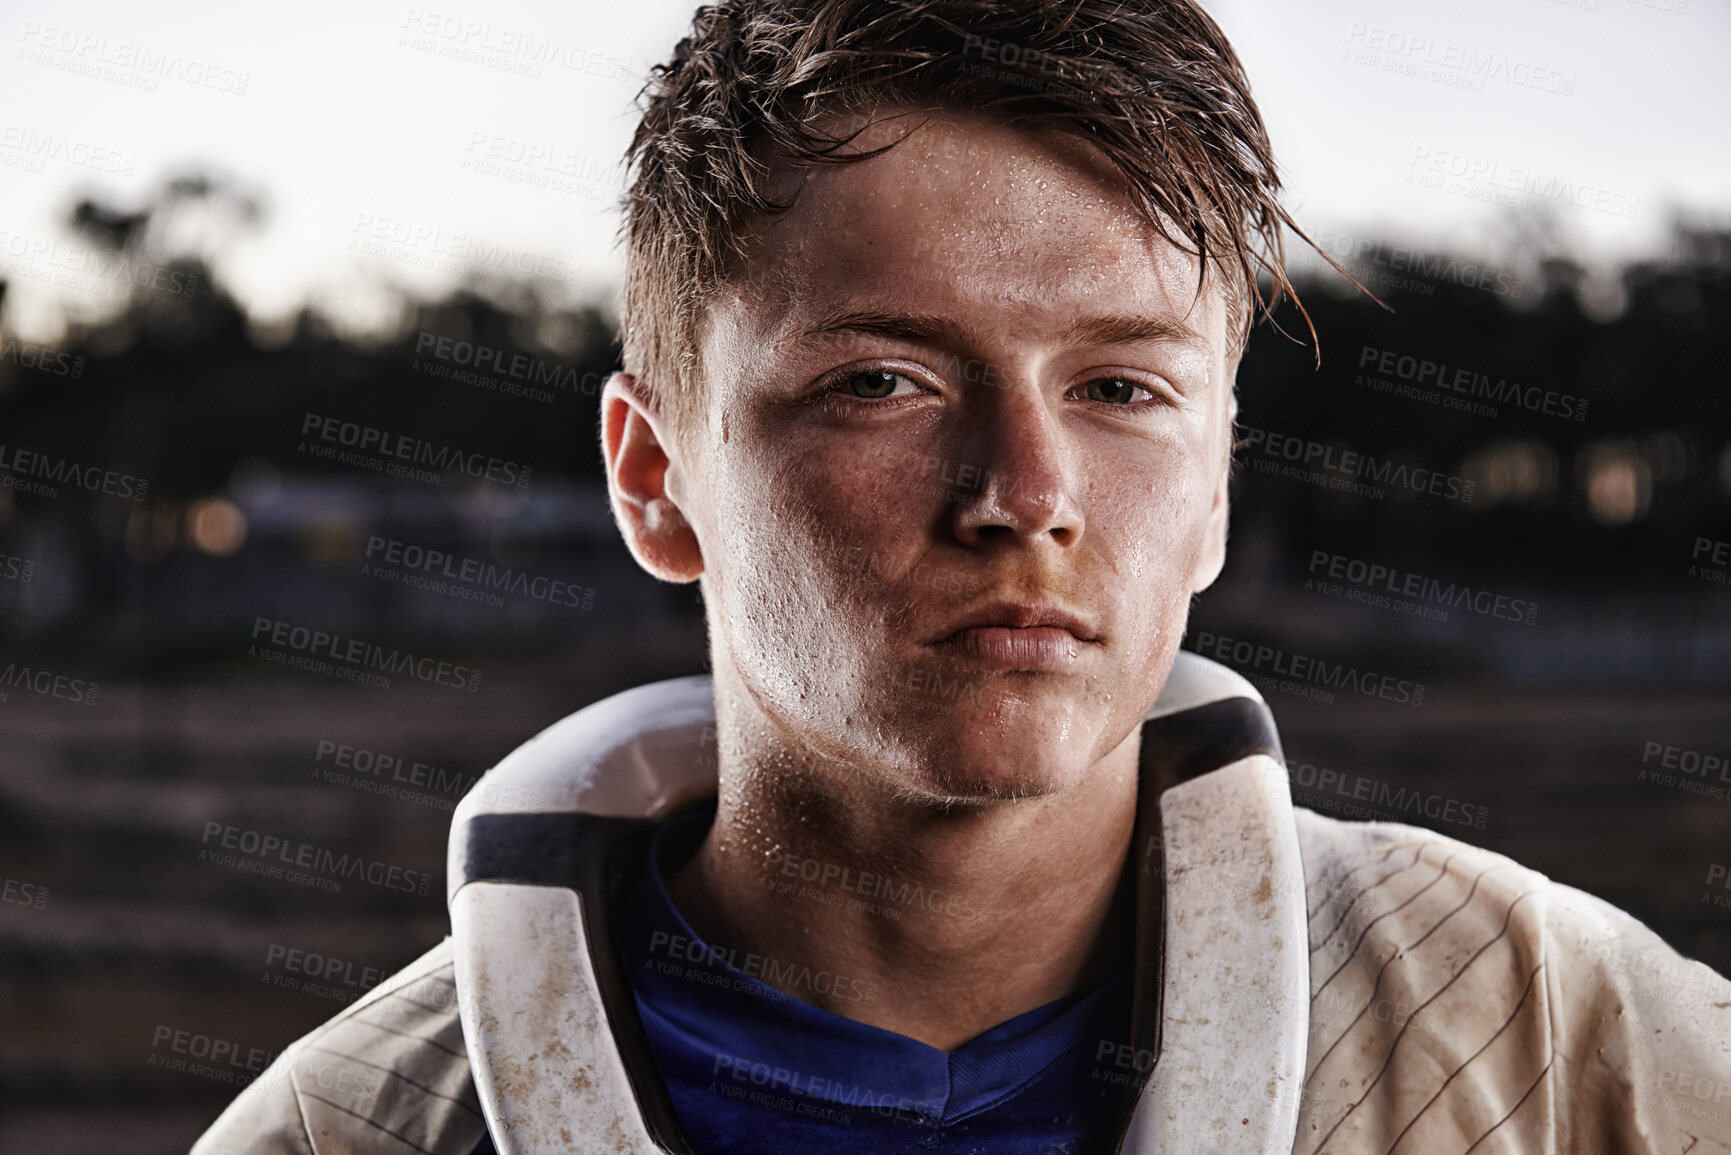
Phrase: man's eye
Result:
[1116,391]
[874,383]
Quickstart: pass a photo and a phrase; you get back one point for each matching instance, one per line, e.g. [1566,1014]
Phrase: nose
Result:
[1019,487]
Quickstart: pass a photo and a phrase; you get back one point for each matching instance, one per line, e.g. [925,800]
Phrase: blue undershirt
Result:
[751,1069]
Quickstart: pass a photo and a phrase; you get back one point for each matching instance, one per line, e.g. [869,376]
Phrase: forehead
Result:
[1015,233]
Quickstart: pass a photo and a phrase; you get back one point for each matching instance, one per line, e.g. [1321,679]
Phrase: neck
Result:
[950,917]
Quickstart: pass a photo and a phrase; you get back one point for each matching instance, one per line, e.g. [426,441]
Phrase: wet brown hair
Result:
[1153,84]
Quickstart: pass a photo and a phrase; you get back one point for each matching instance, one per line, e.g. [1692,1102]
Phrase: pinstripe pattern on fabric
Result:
[387,1076]
[1460,1002]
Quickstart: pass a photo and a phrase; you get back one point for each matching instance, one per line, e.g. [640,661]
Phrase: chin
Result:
[967,789]
[996,738]
[982,759]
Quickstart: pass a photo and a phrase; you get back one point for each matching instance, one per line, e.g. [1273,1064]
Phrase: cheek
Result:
[1150,523]
[1150,515]
[799,558]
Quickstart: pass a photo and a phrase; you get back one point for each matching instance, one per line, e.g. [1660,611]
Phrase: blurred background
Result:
[234,635]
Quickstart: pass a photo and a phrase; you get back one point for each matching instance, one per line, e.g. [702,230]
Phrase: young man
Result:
[931,325]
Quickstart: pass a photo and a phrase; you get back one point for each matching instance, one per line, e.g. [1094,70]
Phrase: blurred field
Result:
[108,809]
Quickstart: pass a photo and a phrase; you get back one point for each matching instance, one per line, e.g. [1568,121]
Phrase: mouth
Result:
[1013,636]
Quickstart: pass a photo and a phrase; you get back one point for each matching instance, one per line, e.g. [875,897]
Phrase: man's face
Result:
[960,463]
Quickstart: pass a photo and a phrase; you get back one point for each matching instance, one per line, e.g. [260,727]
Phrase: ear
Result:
[642,461]
[1211,559]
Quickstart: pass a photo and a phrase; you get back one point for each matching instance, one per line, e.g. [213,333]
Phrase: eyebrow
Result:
[1126,328]
[916,327]
[927,328]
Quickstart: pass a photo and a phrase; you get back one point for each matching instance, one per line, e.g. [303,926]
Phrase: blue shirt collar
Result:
[720,1011]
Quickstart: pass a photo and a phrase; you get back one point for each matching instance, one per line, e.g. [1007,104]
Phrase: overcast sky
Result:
[399,144]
